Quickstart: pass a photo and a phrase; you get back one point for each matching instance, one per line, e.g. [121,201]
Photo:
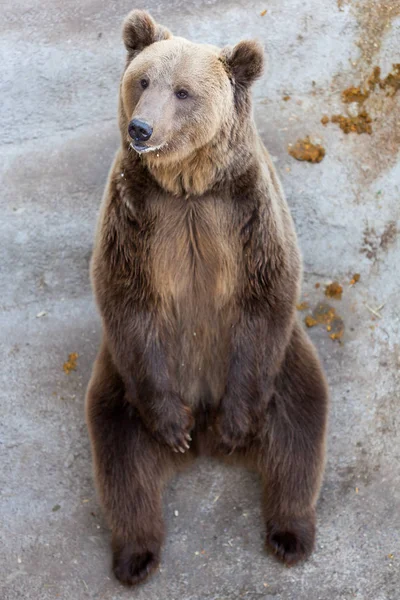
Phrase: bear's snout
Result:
[139,131]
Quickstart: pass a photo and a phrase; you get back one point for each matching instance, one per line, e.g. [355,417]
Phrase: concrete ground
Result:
[60,67]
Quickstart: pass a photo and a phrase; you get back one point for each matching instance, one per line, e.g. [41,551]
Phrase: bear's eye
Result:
[181,94]
[144,83]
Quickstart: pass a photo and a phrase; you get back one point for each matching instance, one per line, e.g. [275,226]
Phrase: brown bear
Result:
[196,272]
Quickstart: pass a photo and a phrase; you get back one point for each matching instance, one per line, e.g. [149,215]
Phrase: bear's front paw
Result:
[131,566]
[291,540]
[174,426]
[233,428]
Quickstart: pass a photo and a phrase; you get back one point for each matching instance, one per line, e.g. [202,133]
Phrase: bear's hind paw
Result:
[292,540]
[131,568]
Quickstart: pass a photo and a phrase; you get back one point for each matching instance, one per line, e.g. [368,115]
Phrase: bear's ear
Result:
[245,61]
[140,30]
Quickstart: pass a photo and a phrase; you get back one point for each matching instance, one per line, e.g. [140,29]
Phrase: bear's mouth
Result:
[142,148]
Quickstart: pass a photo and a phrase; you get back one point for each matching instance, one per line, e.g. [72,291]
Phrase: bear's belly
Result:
[201,352]
[195,264]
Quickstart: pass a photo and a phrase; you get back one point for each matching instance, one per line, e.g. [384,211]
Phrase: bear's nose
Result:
[139,130]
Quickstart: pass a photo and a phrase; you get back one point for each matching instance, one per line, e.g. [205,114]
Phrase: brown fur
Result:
[196,272]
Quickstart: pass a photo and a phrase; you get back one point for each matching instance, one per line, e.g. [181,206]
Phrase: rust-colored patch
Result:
[286,98]
[326,315]
[302,306]
[392,80]
[306,150]
[337,335]
[359,124]
[375,19]
[354,94]
[317,285]
[334,290]
[263,13]
[70,364]
[355,278]
[310,321]
[373,79]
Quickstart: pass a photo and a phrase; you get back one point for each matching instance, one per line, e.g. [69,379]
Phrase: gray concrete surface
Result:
[60,67]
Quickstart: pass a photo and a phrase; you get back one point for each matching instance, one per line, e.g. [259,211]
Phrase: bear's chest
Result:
[195,267]
[195,255]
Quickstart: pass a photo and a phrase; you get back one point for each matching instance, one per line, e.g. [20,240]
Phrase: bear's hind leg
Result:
[130,469]
[293,452]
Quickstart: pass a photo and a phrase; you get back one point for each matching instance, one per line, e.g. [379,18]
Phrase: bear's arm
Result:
[258,349]
[267,316]
[137,348]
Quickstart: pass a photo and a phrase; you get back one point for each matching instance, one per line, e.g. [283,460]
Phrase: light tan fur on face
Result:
[181,128]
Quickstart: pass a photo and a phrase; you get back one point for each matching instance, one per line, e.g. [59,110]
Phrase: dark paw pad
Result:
[134,567]
[285,543]
[293,541]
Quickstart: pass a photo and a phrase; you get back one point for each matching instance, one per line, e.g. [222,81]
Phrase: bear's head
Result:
[178,97]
